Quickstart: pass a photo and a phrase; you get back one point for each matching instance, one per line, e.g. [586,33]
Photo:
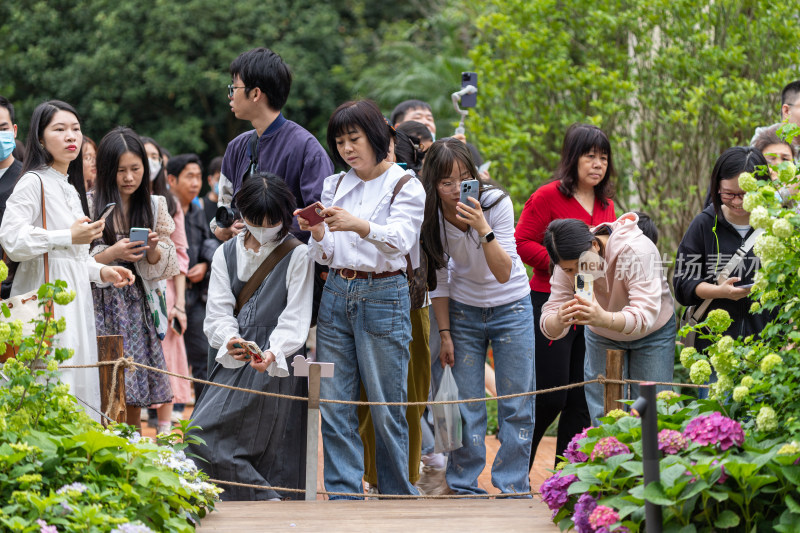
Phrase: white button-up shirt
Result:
[393,227]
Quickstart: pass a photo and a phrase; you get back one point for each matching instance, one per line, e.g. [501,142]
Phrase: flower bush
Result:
[61,471]
[713,476]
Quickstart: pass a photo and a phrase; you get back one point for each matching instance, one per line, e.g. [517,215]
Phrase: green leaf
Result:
[791,504]
[726,519]
[579,487]
[672,474]
[654,493]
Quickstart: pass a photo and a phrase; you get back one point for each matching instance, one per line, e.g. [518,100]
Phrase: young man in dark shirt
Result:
[10,169]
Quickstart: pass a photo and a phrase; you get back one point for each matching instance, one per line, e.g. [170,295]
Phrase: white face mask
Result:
[155,168]
[264,235]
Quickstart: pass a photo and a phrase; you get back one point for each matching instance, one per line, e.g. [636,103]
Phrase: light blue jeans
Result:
[651,358]
[364,328]
[509,328]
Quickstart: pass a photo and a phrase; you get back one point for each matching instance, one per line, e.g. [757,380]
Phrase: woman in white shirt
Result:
[53,165]
[372,219]
[252,439]
[482,297]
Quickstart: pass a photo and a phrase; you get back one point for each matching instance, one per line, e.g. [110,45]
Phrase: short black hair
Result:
[417,131]
[263,68]
[790,93]
[402,108]
[729,165]
[8,105]
[215,165]
[266,197]
[176,164]
[366,115]
[647,226]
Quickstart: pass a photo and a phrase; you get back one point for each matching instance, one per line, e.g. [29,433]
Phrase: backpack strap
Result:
[258,277]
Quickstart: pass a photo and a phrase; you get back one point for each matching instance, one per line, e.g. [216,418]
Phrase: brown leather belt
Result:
[346,273]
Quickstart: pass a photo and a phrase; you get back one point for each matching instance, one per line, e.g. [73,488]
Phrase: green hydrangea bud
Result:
[770,296]
[769,248]
[722,362]
[781,228]
[63,297]
[3,271]
[766,419]
[759,218]
[5,330]
[718,320]
[725,344]
[751,201]
[787,172]
[699,372]
[747,381]
[789,449]
[688,356]
[52,365]
[740,393]
[747,182]
[667,395]
[755,307]
[616,414]
[769,362]
[724,383]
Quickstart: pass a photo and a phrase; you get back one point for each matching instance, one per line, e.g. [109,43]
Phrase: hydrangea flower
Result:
[759,218]
[722,362]
[769,248]
[725,344]
[719,320]
[766,419]
[616,414]
[554,490]
[747,182]
[603,516]
[45,528]
[715,429]
[769,362]
[132,528]
[724,384]
[573,453]
[699,372]
[688,355]
[752,200]
[748,381]
[77,487]
[667,395]
[791,448]
[609,447]
[670,441]
[724,476]
[740,393]
[787,172]
[782,228]
[583,509]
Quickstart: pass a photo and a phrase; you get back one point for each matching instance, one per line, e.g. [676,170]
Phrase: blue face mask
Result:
[7,144]
[216,188]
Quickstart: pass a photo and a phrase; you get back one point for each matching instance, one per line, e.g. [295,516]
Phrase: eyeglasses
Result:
[728,196]
[232,87]
[449,185]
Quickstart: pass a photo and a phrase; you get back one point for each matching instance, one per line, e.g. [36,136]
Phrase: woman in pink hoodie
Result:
[631,307]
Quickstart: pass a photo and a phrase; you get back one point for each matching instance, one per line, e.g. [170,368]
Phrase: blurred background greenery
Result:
[673,82]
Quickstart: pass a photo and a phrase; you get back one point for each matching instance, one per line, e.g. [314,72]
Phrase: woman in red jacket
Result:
[581,188]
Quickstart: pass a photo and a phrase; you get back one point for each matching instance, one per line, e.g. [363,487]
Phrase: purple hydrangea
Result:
[586,504]
[609,447]
[724,477]
[670,441]
[554,490]
[45,528]
[715,429]
[573,453]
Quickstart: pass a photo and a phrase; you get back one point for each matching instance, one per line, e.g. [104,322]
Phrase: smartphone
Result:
[469,78]
[251,349]
[312,213]
[105,212]
[469,189]
[584,285]
[176,326]
[139,235]
[745,286]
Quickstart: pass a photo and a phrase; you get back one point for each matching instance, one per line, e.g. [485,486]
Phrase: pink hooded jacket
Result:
[634,283]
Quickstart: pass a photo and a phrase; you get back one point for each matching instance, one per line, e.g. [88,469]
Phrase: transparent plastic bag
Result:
[446,418]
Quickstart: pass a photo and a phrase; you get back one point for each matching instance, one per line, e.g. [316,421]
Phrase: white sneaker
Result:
[166,427]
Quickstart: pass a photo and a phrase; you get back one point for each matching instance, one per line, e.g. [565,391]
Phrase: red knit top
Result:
[544,206]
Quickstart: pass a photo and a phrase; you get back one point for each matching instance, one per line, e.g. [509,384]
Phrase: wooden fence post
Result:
[613,392]
[109,348]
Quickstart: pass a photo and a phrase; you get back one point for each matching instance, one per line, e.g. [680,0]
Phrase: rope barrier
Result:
[129,363]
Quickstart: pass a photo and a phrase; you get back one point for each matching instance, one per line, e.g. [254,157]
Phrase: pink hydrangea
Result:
[724,476]
[603,516]
[554,490]
[670,441]
[573,453]
[715,429]
[608,447]
[45,528]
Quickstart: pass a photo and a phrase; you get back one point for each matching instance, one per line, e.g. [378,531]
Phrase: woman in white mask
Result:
[260,292]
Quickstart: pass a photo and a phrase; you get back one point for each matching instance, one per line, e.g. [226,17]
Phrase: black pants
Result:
[195,340]
[558,363]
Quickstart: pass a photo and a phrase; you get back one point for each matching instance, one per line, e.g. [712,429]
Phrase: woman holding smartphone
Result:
[632,308]
[481,297]
[372,221]
[53,165]
[128,240]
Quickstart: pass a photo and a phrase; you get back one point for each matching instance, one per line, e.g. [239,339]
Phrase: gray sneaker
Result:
[432,481]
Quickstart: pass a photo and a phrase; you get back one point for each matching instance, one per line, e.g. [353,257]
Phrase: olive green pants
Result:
[419,382]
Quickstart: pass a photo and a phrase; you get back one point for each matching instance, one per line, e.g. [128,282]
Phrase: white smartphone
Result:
[584,286]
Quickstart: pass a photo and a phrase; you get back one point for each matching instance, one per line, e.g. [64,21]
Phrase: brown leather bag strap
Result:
[258,277]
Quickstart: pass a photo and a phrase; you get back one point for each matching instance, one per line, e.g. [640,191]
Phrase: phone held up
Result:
[584,286]
[105,212]
[469,189]
[312,213]
[469,78]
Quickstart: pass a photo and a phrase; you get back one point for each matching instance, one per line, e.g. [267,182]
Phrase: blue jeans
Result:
[650,358]
[509,328]
[364,329]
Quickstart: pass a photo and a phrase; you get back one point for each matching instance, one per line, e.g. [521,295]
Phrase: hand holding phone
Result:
[176,326]
[251,350]
[469,189]
[312,213]
[139,235]
[105,212]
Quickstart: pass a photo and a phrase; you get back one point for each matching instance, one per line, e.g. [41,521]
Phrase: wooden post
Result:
[312,442]
[613,392]
[109,348]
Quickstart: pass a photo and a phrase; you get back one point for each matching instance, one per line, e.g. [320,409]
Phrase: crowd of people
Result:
[392,274]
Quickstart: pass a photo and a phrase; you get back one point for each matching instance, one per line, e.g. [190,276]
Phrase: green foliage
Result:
[672,83]
[60,468]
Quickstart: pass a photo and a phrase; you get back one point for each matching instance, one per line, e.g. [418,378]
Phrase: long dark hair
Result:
[729,165]
[408,151]
[159,184]
[579,140]
[117,142]
[440,159]
[38,158]
[565,239]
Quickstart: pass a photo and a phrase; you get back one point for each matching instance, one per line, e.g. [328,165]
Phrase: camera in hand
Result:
[226,216]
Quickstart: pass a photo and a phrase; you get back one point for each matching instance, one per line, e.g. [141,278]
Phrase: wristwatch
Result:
[489,237]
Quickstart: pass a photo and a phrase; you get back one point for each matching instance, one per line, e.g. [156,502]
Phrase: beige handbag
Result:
[25,307]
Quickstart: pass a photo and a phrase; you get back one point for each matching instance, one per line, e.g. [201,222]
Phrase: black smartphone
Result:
[176,326]
[105,212]
[469,78]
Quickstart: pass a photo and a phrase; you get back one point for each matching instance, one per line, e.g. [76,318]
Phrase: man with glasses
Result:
[261,83]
